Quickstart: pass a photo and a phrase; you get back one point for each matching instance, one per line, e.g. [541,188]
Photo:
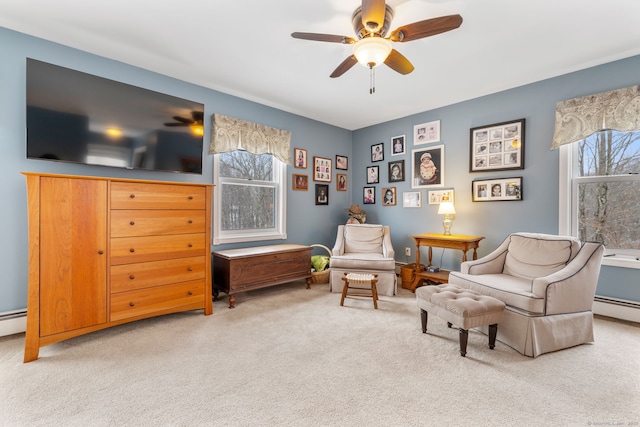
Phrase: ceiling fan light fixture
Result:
[197,129]
[372,51]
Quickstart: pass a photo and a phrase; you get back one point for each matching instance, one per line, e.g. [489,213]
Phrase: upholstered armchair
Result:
[548,284]
[364,248]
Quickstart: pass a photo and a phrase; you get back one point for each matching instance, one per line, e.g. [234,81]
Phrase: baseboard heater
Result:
[13,322]
[617,308]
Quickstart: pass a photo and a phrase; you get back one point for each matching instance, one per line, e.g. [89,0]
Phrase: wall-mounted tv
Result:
[82,118]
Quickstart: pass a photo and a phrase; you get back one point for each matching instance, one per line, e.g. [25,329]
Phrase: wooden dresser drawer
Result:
[143,302]
[126,223]
[128,277]
[127,250]
[129,195]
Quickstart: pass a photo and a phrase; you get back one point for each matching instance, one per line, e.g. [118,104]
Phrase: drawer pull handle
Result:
[190,221]
[132,196]
[132,223]
[132,304]
[190,197]
[100,252]
[190,293]
[190,268]
[132,277]
[132,250]
[190,245]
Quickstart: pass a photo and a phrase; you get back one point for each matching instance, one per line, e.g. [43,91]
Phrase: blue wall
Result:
[538,211]
[307,223]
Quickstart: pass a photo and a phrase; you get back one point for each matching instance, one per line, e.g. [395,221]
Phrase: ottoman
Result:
[461,307]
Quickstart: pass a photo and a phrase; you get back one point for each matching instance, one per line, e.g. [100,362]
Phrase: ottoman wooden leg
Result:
[423,317]
[493,332]
[464,336]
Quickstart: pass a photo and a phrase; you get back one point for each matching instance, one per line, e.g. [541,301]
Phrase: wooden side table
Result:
[433,240]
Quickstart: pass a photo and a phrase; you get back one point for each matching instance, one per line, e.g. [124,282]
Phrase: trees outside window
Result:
[605,190]
[249,197]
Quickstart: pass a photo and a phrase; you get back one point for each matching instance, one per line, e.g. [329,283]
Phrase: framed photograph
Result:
[377,152]
[300,156]
[373,174]
[341,182]
[396,171]
[369,195]
[388,196]
[438,196]
[411,199]
[497,147]
[321,169]
[398,145]
[426,133]
[322,194]
[427,167]
[500,189]
[300,182]
[342,162]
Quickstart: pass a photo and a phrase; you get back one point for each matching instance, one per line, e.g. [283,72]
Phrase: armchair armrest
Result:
[387,247]
[572,288]
[493,263]
[338,247]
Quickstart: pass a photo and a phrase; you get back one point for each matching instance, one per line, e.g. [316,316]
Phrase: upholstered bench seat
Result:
[461,307]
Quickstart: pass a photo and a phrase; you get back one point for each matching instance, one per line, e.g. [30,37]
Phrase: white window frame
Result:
[238,236]
[568,207]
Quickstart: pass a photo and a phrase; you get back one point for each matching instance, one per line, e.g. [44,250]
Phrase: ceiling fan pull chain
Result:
[372,80]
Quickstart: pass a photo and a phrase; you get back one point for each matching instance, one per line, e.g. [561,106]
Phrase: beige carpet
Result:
[291,356]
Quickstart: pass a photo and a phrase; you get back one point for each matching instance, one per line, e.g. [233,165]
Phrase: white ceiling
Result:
[244,47]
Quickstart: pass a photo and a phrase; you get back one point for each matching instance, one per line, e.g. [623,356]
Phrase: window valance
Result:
[578,118]
[230,134]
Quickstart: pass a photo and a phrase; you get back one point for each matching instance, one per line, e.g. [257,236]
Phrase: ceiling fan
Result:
[195,123]
[372,47]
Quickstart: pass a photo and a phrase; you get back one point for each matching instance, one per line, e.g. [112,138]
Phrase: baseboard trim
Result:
[623,310]
[13,322]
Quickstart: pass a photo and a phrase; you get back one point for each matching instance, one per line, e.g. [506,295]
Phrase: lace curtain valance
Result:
[230,134]
[578,118]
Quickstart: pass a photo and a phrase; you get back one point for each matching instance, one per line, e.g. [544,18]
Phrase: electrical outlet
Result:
[407,251]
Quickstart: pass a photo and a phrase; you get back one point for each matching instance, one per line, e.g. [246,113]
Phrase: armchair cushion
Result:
[363,238]
[531,255]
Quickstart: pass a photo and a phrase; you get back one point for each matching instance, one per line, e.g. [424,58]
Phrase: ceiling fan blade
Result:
[373,12]
[324,38]
[426,28]
[198,116]
[176,124]
[182,119]
[344,66]
[397,62]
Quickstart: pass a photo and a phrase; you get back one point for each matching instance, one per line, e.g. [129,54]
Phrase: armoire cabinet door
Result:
[73,254]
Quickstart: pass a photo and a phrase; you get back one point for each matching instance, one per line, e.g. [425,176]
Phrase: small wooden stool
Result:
[359,279]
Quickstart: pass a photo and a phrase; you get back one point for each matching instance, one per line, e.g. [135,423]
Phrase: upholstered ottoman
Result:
[461,307]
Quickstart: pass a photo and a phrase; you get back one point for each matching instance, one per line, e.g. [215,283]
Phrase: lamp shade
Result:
[446,208]
[372,51]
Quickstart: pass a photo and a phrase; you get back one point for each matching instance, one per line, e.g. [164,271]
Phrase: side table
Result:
[433,240]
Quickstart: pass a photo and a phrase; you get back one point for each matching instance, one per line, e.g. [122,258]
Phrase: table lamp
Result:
[446,208]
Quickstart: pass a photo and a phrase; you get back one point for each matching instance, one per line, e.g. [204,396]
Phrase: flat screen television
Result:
[82,118]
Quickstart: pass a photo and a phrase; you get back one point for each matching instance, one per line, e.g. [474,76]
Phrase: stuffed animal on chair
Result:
[356,215]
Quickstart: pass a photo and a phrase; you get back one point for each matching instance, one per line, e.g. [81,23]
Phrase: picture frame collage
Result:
[321,174]
[492,148]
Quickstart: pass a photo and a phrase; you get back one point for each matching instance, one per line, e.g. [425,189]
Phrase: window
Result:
[600,193]
[249,197]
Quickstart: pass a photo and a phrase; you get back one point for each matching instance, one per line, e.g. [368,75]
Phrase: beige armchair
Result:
[548,284]
[364,248]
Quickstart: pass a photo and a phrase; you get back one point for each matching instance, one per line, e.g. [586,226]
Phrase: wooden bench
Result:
[241,270]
